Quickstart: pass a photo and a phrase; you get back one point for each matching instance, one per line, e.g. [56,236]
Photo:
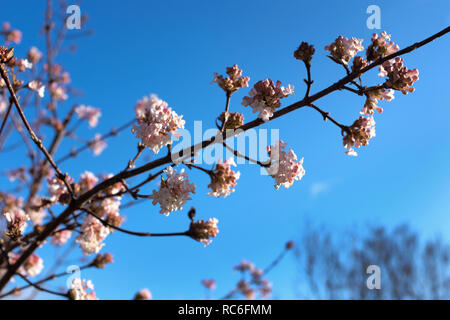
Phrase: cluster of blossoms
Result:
[93,232]
[223,179]
[34,55]
[284,167]
[233,82]
[36,210]
[89,114]
[58,92]
[304,52]
[61,237]
[173,192]
[14,214]
[88,180]
[359,63]
[11,35]
[57,189]
[265,97]
[381,46]
[97,145]
[79,290]
[32,266]
[37,86]
[343,49]
[3,103]
[19,173]
[233,120]
[399,77]
[101,260]
[255,285]
[372,98]
[202,230]
[24,64]
[209,284]
[156,123]
[143,294]
[359,134]
[16,221]
[57,88]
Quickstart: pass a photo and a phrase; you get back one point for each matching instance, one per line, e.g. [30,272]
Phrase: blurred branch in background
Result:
[333,264]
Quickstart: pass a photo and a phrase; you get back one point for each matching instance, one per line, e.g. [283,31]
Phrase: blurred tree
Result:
[333,265]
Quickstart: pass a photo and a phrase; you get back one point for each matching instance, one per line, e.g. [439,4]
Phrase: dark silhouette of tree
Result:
[333,265]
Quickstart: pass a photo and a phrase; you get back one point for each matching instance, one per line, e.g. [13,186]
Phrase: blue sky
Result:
[172,48]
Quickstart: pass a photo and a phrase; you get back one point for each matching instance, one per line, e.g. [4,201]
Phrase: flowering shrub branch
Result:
[91,204]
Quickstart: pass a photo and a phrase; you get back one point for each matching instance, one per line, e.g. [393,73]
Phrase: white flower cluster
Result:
[173,192]
[93,232]
[78,290]
[284,167]
[156,123]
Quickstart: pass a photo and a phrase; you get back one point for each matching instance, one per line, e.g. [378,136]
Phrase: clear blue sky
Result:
[172,48]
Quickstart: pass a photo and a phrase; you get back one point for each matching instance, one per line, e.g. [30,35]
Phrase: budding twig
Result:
[134,233]
[33,136]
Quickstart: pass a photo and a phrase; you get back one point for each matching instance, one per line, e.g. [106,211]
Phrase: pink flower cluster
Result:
[10,34]
[233,82]
[79,290]
[173,192]
[58,92]
[255,285]
[284,167]
[399,77]
[34,55]
[93,232]
[3,103]
[109,209]
[343,49]
[89,114]
[143,294]
[97,145]
[233,120]
[209,284]
[37,86]
[372,98]
[156,123]
[88,180]
[61,237]
[36,210]
[304,52]
[359,134]
[381,46]
[16,220]
[265,97]
[223,179]
[57,188]
[24,64]
[33,265]
[12,209]
[101,260]
[57,88]
[202,230]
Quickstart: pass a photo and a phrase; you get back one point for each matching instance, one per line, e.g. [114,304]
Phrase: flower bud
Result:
[234,120]
[101,260]
[304,52]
